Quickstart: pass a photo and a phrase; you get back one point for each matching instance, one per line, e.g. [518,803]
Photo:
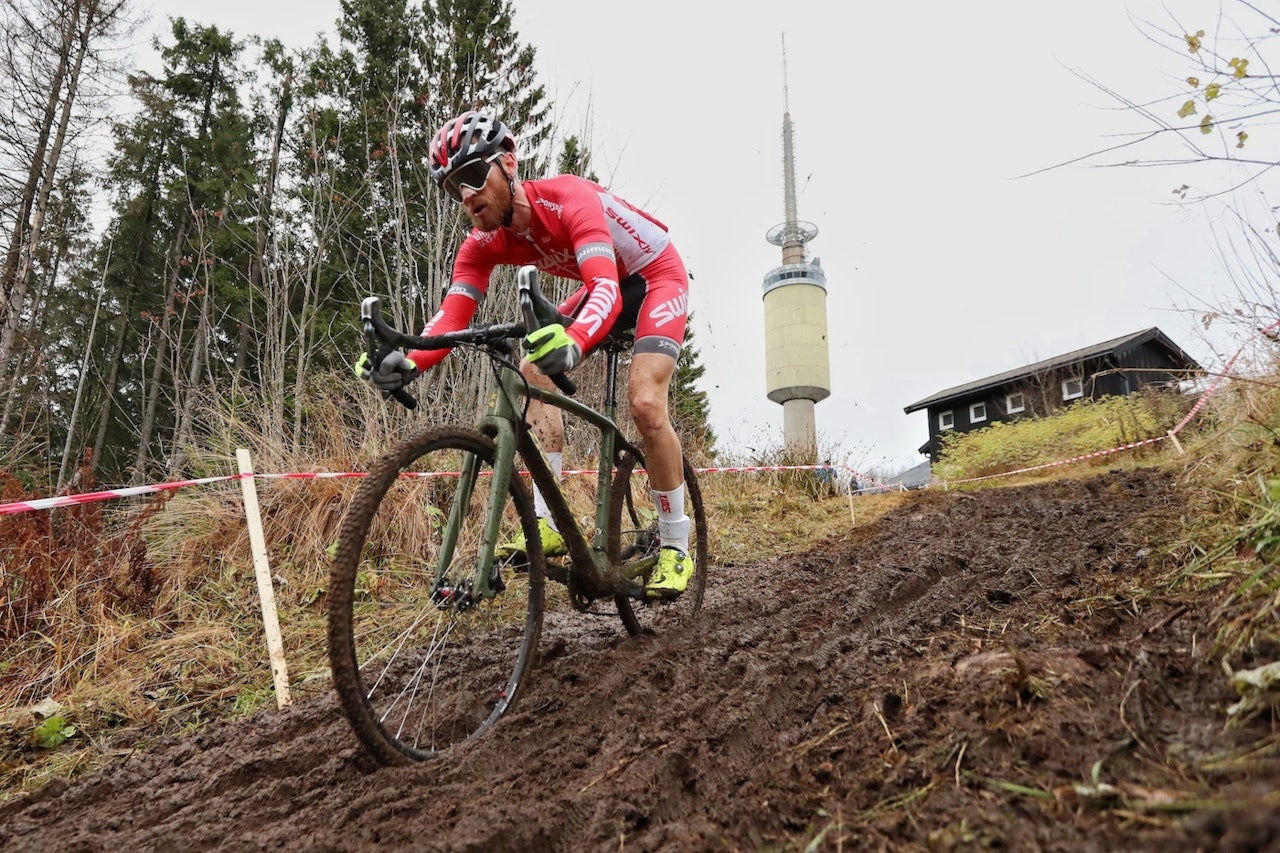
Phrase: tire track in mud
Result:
[703,739]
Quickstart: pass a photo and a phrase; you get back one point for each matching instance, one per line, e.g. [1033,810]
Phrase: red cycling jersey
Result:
[577,230]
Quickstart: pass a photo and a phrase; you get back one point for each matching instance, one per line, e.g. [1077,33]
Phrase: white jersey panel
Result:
[636,240]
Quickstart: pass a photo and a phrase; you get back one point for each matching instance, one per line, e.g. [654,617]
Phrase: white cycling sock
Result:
[540,507]
[673,524]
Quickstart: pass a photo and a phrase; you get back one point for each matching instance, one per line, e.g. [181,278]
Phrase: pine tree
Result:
[689,407]
[373,105]
[176,294]
[575,159]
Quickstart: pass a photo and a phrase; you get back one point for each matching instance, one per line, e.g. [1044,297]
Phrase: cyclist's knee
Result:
[649,410]
[648,384]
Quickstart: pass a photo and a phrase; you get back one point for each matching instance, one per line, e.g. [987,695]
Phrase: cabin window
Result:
[1015,403]
[946,420]
[977,413]
[1073,388]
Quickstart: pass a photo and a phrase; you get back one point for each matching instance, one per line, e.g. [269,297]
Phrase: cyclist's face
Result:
[488,204]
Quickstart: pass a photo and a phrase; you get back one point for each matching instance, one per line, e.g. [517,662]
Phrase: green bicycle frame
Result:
[502,424]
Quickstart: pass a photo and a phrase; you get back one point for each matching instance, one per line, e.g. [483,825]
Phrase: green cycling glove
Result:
[395,371]
[552,350]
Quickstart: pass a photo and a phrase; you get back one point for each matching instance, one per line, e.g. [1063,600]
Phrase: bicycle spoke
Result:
[411,687]
[417,669]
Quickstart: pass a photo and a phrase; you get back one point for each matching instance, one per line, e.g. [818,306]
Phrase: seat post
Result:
[613,346]
[611,382]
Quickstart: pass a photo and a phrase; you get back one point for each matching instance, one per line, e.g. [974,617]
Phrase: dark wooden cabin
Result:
[1116,367]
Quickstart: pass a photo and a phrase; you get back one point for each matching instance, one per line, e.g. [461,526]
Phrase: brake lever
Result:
[371,319]
[527,285]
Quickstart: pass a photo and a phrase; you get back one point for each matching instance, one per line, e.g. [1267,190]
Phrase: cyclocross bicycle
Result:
[431,638]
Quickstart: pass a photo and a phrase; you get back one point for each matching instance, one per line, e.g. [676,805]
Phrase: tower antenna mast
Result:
[797,370]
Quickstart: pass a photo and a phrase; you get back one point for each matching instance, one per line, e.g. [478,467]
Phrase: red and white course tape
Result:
[109,494]
[858,476]
[133,491]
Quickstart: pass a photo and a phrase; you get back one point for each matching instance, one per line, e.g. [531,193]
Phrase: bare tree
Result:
[1218,126]
[50,47]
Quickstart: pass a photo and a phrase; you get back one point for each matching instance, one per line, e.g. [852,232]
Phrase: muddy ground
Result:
[970,672]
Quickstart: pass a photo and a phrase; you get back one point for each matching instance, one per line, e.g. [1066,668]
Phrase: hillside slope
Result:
[972,670]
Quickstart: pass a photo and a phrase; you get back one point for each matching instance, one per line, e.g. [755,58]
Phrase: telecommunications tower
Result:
[797,371]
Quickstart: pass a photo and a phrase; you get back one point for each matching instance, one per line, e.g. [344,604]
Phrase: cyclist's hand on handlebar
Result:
[552,350]
[395,371]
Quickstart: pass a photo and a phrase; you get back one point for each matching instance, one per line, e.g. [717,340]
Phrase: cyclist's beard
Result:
[510,212]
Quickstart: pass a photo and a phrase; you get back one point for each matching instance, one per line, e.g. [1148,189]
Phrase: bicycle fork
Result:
[485,581]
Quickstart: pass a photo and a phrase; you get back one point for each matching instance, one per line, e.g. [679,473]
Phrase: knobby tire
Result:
[631,536]
[413,678]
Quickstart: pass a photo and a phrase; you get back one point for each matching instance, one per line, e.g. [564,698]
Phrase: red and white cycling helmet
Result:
[465,138]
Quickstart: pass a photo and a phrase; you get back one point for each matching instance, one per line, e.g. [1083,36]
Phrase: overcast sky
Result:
[913,123]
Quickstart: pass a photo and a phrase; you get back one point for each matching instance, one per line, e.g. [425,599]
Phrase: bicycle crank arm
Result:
[630,577]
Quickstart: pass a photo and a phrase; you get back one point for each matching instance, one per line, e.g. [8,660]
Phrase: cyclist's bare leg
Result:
[650,379]
[648,382]
[547,421]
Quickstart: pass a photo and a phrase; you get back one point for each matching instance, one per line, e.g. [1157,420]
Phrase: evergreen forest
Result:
[186,250]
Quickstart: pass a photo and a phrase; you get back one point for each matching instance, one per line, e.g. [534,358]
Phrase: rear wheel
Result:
[633,535]
[419,665]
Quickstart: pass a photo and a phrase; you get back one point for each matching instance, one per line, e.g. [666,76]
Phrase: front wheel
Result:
[633,536]
[421,657]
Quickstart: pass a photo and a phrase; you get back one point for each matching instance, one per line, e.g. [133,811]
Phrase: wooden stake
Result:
[266,592]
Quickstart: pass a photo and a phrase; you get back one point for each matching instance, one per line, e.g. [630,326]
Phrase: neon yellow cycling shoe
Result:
[671,575]
[553,545]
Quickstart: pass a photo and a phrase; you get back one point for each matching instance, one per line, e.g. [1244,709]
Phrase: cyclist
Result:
[576,229]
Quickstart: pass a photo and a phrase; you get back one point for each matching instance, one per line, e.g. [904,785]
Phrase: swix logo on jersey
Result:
[672,309]
[625,225]
[560,261]
[604,296]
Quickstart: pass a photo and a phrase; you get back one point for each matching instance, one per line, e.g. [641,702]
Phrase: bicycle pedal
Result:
[517,561]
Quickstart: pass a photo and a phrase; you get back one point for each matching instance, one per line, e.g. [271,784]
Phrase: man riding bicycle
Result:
[576,229]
